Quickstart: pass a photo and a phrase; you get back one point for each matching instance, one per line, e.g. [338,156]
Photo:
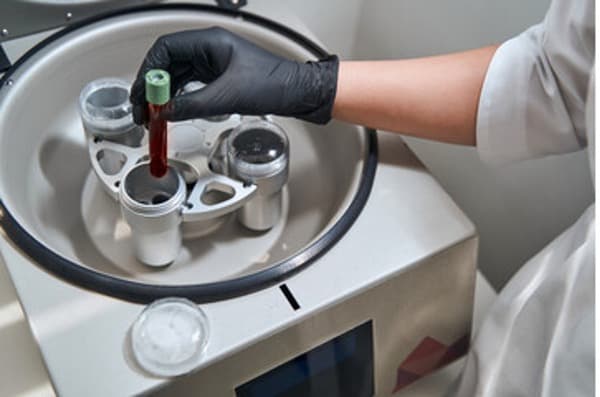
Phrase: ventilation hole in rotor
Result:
[111,162]
[216,193]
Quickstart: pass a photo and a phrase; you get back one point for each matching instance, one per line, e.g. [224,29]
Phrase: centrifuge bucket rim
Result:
[138,292]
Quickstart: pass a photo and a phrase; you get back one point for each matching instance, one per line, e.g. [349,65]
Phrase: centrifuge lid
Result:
[21,18]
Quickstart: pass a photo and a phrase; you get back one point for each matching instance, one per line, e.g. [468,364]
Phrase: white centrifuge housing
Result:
[364,284]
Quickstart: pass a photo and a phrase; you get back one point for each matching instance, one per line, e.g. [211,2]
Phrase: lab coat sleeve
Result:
[533,98]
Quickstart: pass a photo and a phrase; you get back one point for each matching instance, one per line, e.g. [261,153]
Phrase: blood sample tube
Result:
[158,93]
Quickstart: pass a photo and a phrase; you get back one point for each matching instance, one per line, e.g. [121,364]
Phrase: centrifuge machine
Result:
[275,258]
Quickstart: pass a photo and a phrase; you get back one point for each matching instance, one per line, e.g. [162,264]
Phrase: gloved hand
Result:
[240,76]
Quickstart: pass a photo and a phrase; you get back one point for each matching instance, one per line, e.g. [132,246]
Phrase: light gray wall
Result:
[334,23]
[517,209]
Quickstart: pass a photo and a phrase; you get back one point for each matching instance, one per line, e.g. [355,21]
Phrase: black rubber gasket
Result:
[145,293]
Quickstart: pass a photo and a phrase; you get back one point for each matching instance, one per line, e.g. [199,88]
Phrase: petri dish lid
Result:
[169,337]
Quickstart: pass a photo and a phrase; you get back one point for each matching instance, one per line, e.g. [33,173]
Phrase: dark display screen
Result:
[341,367]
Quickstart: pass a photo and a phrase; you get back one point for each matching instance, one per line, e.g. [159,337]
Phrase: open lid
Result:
[21,18]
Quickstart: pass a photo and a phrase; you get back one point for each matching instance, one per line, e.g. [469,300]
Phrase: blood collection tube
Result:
[158,93]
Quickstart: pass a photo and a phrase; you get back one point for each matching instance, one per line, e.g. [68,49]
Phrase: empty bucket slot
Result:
[108,103]
[111,162]
[145,189]
[216,193]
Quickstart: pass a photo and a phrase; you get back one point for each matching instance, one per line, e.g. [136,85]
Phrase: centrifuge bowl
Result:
[45,169]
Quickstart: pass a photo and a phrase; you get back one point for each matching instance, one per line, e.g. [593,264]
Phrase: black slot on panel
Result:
[289,296]
[341,367]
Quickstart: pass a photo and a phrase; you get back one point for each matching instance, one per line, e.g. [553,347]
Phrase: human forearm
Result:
[434,97]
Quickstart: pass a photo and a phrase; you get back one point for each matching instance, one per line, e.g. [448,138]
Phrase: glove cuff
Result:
[325,77]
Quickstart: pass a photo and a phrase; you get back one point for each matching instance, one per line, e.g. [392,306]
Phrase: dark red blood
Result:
[158,141]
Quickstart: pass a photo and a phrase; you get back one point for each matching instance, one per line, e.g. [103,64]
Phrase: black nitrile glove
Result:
[240,76]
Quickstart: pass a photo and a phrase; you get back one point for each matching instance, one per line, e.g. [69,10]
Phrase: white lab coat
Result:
[538,100]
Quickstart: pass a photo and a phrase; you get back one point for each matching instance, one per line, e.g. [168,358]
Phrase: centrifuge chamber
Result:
[370,251]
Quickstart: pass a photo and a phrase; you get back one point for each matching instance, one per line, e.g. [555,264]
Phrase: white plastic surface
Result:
[22,371]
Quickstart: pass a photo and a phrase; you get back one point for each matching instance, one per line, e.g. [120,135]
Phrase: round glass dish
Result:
[169,337]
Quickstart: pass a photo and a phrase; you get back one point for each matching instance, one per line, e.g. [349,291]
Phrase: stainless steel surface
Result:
[258,153]
[111,160]
[113,151]
[262,212]
[215,196]
[152,208]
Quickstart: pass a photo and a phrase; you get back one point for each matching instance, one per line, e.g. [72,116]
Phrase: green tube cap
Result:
[158,86]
